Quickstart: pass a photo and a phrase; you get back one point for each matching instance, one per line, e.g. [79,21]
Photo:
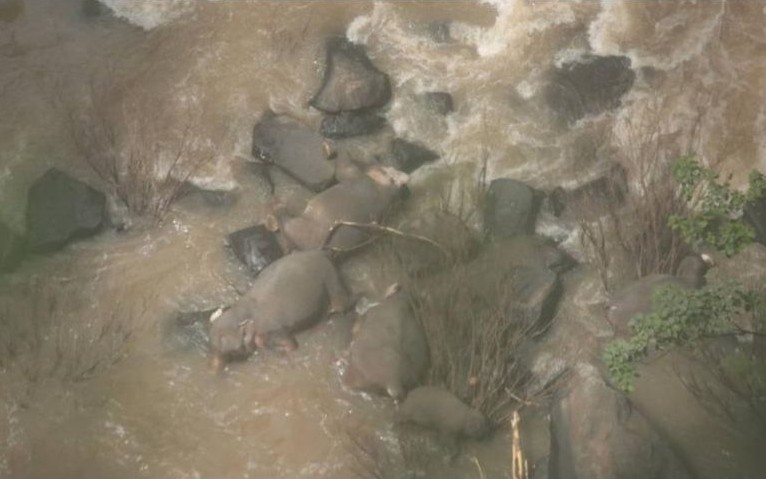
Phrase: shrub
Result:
[715,218]
[680,317]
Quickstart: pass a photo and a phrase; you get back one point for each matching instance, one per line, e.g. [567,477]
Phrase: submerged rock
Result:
[597,434]
[588,86]
[438,102]
[296,150]
[11,249]
[349,124]
[351,81]
[256,247]
[60,209]
[407,156]
[511,208]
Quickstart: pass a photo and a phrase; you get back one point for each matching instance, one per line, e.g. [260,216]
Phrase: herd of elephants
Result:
[295,256]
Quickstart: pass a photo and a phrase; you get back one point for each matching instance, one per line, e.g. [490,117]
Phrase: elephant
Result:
[288,296]
[636,298]
[364,199]
[439,410]
[389,351]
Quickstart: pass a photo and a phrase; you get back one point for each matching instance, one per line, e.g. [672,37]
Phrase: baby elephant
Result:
[388,352]
[437,409]
[361,200]
[289,295]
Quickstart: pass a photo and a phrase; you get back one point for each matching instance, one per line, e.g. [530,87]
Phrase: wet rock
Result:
[11,249]
[388,352]
[440,410]
[349,124]
[511,208]
[438,102]
[191,194]
[593,199]
[294,149]
[351,81]
[449,231]
[256,247]
[528,268]
[186,332]
[755,216]
[60,209]
[597,434]
[588,86]
[407,156]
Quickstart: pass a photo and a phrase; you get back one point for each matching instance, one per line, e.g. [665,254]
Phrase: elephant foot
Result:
[286,344]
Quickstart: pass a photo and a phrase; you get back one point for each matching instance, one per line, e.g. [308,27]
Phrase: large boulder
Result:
[296,150]
[588,86]
[597,434]
[11,249]
[349,124]
[351,81]
[525,267]
[256,247]
[511,208]
[61,208]
[407,156]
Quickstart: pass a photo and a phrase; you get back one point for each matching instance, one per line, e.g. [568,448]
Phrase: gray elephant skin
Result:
[288,296]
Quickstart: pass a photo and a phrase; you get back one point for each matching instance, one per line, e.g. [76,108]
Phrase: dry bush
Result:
[636,229]
[42,337]
[132,145]
[474,342]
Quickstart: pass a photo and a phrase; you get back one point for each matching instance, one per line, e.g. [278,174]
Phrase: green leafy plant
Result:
[715,218]
[679,316]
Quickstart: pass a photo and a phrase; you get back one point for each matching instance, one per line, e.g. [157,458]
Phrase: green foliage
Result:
[679,316]
[716,219]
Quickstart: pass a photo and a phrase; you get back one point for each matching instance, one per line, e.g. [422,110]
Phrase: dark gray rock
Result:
[597,434]
[256,247]
[528,267]
[511,208]
[588,86]
[349,124]
[407,156]
[60,209]
[351,81]
[755,216]
[11,249]
[295,150]
[438,102]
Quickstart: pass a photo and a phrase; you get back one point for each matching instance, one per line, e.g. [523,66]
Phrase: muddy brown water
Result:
[155,413]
